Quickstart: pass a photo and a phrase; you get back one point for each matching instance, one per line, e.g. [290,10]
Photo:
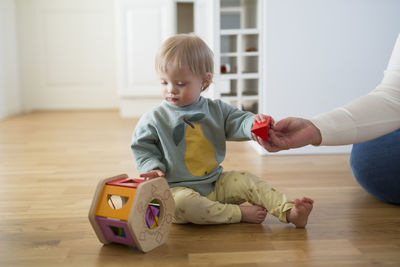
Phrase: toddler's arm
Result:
[145,148]
[237,123]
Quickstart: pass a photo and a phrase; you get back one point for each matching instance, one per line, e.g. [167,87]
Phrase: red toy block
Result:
[127,182]
[261,129]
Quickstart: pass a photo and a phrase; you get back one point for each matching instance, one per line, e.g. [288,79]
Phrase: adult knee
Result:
[375,165]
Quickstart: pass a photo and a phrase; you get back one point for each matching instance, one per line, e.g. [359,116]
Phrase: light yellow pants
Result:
[222,205]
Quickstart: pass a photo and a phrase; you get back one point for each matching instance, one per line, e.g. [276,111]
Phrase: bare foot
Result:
[253,214]
[298,215]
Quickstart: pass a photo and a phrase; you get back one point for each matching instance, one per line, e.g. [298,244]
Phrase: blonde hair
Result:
[186,50]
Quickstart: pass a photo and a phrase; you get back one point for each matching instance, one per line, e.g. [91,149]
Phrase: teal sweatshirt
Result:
[188,143]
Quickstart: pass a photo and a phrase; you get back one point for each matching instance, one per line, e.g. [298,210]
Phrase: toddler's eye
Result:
[181,84]
[163,82]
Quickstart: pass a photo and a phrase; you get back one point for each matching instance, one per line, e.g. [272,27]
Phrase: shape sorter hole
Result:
[153,214]
[133,182]
[118,231]
[116,202]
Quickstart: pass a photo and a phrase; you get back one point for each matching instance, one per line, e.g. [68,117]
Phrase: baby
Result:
[184,140]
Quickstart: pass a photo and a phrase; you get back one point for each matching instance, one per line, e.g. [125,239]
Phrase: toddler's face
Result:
[180,87]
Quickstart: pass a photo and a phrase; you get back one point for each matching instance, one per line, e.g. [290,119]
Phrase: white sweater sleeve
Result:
[369,116]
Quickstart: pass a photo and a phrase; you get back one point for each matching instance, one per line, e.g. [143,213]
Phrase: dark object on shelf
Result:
[251,49]
[225,68]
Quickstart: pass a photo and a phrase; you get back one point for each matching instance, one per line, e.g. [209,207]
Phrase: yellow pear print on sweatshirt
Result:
[200,156]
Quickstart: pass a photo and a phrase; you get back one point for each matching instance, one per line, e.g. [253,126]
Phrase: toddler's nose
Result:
[171,89]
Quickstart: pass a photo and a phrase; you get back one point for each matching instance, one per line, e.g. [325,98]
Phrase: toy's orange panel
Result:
[105,210]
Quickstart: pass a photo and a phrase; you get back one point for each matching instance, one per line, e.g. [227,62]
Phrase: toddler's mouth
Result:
[171,98]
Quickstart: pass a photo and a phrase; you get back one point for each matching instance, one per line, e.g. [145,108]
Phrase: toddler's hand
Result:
[261,118]
[152,174]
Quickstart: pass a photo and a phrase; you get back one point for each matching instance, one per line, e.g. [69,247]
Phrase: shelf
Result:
[240,54]
[235,54]
[238,14]
[233,97]
[239,31]
[229,65]
[229,44]
[249,65]
[231,10]
[250,87]
[239,76]
[250,105]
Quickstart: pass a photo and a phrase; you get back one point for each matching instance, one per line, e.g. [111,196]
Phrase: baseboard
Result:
[134,107]
[304,150]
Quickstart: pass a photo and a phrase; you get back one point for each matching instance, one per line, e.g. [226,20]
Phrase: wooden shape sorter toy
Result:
[133,212]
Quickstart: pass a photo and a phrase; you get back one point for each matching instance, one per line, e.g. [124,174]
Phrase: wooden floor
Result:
[51,163]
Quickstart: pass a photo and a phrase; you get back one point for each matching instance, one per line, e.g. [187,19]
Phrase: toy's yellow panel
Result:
[105,210]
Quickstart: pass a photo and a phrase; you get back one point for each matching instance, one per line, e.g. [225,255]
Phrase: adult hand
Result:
[291,133]
[152,174]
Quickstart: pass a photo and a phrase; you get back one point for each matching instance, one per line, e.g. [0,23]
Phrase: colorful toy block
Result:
[133,212]
[261,129]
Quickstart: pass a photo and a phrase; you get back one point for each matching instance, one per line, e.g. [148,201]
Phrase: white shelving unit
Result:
[238,50]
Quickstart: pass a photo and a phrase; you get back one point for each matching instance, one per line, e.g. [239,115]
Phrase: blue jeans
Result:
[376,166]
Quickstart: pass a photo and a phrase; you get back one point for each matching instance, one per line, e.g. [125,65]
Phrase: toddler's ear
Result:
[207,80]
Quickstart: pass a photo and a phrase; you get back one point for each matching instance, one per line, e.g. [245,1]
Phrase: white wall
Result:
[10,103]
[321,54]
[67,52]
